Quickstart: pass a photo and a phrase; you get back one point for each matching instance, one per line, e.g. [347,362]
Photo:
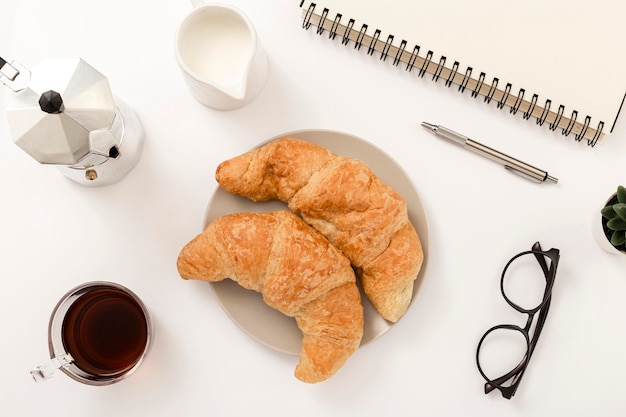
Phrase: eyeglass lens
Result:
[524,282]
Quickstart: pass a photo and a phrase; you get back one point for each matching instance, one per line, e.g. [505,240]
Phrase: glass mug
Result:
[99,334]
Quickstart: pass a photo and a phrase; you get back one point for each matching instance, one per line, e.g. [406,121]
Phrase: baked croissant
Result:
[343,199]
[298,272]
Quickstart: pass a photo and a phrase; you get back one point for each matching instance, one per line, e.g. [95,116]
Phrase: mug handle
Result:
[197,3]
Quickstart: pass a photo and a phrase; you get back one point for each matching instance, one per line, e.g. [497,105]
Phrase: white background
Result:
[57,234]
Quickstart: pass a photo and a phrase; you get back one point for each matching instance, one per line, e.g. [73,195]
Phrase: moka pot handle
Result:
[14,75]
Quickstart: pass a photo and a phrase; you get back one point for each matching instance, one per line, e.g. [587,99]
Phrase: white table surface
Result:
[57,234]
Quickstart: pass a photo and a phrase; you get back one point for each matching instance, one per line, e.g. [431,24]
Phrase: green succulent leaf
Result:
[608,212]
[616,223]
[620,210]
[618,238]
[621,194]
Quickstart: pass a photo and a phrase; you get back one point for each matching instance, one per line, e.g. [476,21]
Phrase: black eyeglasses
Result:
[513,284]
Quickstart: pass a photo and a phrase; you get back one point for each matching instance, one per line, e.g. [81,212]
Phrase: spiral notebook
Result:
[558,62]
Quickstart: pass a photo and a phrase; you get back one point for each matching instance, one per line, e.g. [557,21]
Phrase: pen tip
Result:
[429,126]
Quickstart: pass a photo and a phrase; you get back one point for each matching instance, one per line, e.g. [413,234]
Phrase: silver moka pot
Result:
[63,113]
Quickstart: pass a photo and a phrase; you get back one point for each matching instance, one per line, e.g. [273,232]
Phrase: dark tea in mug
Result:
[105,331]
[105,328]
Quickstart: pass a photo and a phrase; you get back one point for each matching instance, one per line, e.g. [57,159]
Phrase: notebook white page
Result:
[568,51]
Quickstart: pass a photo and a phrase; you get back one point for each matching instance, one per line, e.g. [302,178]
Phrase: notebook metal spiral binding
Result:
[427,64]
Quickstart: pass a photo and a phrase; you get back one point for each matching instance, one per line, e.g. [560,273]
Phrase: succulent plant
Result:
[614,219]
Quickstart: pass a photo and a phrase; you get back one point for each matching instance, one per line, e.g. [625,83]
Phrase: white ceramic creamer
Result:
[219,54]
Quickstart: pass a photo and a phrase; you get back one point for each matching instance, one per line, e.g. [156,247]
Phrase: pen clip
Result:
[523,174]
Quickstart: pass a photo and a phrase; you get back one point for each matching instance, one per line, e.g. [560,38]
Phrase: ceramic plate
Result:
[247,309]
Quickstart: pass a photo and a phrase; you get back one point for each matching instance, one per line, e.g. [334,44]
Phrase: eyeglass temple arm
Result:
[549,274]
[489,386]
[497,383]
[553,254]
[541,259]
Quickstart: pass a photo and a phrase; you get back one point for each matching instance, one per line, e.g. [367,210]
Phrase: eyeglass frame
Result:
[518,371]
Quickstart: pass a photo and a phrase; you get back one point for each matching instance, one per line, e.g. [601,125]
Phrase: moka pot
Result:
[62,112]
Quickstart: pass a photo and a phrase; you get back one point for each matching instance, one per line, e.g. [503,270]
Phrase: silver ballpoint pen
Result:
[510,163]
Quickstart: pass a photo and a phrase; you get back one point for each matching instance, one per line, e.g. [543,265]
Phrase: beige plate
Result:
[247,309]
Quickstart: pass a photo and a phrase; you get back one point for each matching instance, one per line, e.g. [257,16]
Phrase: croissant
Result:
[343,199]
[298,272]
